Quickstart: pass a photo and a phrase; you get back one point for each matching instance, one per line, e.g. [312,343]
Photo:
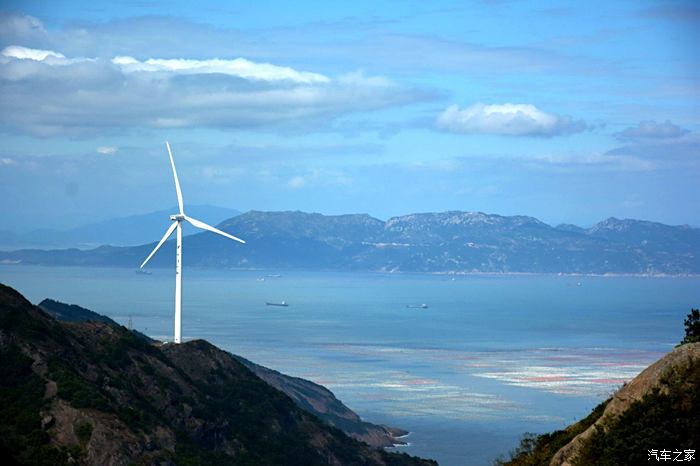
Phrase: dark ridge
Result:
[93,393]
[74,313]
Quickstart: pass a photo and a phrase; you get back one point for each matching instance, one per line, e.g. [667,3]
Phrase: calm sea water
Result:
[490,358]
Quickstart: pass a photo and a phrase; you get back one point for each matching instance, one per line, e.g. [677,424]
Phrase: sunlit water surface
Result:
[490,358]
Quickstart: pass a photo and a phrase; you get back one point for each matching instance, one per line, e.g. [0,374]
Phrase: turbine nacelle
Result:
[178,217]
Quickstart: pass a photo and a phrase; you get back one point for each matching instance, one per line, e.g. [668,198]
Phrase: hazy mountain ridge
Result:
[120,231]
[92,393]
[459,242]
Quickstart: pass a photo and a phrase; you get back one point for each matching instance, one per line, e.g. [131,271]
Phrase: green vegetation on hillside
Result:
[666,418]
[21,399]
[537,450]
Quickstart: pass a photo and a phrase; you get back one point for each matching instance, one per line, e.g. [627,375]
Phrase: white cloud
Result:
[240,67]
[91,94]
[506,119]
[25,53]
[48,57]
[107,150]
[650,129]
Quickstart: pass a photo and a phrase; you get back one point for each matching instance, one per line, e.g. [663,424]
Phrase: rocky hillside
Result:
[429,242]
[659,409]
[96,394]
[120,231]
[311,397]
[321,402]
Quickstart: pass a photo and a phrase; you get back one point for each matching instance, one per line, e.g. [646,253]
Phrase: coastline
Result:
[447,273]
[401,443]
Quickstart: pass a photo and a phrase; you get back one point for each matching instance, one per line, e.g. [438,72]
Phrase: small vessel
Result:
[142,272]
[281,304]
[417,306]
[273,275]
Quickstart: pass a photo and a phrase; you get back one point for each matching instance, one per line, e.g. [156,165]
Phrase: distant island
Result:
[85,390]
[448,242]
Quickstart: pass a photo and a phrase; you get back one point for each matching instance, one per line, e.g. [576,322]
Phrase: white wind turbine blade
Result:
[177,182]
[167,234]
[204,226]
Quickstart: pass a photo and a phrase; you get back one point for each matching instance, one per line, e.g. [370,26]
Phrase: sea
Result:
[488,358]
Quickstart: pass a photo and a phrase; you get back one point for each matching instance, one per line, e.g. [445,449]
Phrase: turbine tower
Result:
[177,220]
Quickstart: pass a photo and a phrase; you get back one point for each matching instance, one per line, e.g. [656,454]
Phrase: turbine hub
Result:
[177,218]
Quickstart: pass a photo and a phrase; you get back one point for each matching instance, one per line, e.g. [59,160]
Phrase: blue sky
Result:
[569,113]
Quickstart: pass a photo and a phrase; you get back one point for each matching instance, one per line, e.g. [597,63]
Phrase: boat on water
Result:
[281,304]
[417,306]
[142,272]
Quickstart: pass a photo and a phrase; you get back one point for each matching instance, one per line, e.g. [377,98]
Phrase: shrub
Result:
[692,327]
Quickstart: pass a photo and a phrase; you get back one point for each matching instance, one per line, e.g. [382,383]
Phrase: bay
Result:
[492,356]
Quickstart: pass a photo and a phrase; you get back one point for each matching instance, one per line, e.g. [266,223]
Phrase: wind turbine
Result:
[177,220]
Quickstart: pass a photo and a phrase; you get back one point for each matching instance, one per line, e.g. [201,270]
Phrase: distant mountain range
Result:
[121,231]
[447,242]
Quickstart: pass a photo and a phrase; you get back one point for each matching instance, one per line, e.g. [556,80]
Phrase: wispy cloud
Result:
[650,129]
[18,26]
[107,150]
[240,67]
[681,152]
[673,12]
[329,42]
[315,177]
[296,182]
[506,119]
